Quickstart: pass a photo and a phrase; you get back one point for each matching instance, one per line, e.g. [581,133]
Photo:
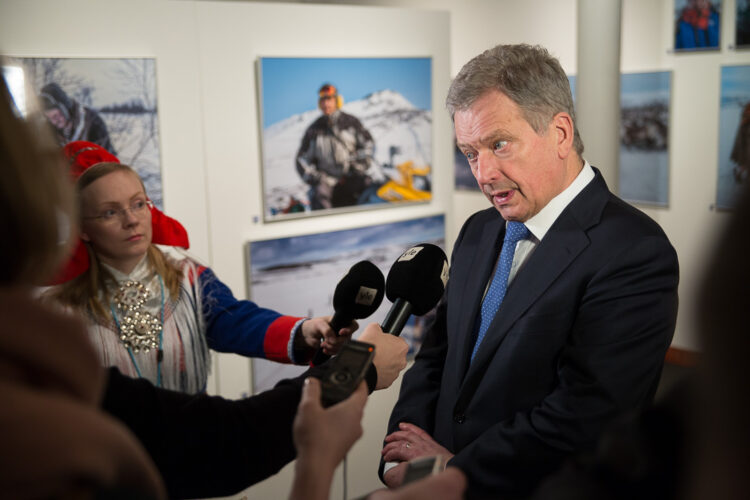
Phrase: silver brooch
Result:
[139,330]
[131,296]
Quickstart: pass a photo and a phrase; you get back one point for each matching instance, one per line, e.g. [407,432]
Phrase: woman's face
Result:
[116,219]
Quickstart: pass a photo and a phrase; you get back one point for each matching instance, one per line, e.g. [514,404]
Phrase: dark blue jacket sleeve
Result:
[241,326]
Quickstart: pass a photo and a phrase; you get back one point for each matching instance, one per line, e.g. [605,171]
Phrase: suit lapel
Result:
[562,244]
[471,296]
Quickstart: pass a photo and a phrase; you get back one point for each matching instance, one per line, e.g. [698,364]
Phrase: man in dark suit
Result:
[538,346]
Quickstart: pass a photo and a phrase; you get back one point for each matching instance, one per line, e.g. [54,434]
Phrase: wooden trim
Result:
[682,357]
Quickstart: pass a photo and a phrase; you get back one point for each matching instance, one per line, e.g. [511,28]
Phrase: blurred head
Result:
[56,118]
[528,75]
[36,199]
[115,214]
[329,99]
[56,104]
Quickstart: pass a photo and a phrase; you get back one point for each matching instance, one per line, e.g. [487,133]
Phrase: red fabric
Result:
[276,340]
[76,265]
[697,17]
[166,230]
[84,154]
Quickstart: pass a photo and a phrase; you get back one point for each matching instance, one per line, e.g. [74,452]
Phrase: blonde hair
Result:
[83,292]
[37,207]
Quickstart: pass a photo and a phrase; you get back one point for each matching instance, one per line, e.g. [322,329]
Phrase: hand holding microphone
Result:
[415,284]
[357,295]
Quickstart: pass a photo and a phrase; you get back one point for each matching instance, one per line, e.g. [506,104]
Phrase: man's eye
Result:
[470,155]
[498,145]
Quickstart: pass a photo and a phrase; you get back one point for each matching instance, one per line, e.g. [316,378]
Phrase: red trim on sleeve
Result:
[192,276]
[278,335]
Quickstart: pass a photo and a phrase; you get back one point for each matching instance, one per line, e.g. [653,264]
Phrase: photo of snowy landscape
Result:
[298,276]
[392,99]
[121,91]
[644,135]
[734,120]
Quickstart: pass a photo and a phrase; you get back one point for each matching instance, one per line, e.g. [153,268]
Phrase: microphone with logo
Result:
[415,284]
[358,295]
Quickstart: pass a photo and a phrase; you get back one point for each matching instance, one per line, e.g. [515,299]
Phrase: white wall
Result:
[206,51]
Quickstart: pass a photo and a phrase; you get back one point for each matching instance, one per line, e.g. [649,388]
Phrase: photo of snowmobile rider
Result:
[336,156]
[71,120]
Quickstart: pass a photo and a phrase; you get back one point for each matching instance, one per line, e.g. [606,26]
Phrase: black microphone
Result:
[358,295]
[415,284]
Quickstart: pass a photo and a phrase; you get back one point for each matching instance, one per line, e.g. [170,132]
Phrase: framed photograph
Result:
[742,24]
[697,25]
[298,276]
[644,137]
[465,180]
[341,134]
[734,134]
[111,102]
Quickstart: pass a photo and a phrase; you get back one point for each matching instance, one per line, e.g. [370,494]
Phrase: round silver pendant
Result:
[140,331]
[131,296]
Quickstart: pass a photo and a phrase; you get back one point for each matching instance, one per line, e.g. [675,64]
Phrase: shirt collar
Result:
[139,273]
[540,223]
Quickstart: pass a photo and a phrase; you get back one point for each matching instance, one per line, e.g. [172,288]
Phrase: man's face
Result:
[327,105]
[518,170]
[56,118]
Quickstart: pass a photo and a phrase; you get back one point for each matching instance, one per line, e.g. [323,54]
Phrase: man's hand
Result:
[448,485]
[390,354]
[408,443]
[317,332]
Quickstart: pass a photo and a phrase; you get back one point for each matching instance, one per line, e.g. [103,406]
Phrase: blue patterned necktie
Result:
[514,232]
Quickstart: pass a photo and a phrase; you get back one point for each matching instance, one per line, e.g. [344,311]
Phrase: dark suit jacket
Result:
[580,338]
[208,446]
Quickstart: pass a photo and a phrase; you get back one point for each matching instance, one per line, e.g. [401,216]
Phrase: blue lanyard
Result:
[159,353]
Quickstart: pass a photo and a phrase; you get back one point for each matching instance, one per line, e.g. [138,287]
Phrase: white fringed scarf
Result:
[187,362]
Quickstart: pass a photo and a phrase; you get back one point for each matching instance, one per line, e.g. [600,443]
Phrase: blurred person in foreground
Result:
[56,440]
[561,301]
[69,427]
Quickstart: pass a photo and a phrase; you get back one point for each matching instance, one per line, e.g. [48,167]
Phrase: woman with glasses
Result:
[153,312]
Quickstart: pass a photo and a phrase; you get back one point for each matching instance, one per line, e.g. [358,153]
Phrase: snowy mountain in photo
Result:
[389,116]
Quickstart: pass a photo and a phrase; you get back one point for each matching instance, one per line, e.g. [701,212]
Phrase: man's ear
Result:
[564,131]
[85,237]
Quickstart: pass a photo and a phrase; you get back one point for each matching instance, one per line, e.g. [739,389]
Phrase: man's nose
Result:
[487,170]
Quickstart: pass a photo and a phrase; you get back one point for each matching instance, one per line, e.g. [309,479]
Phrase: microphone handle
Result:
[320,357]
[397,316]
[339,321]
